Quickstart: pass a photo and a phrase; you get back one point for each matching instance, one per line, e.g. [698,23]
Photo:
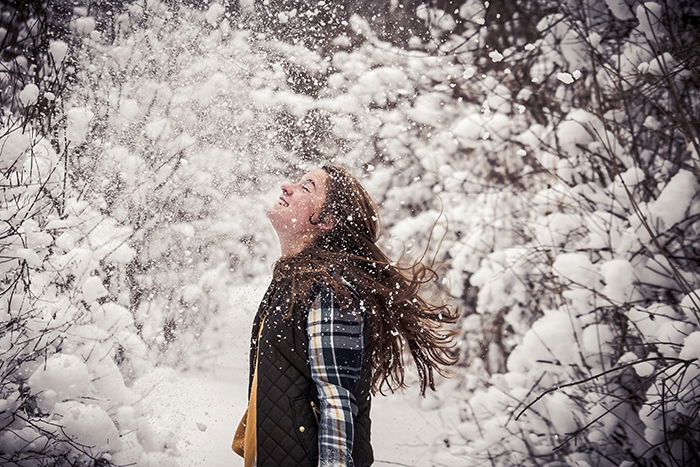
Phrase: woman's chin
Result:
[274,216]
[272,211]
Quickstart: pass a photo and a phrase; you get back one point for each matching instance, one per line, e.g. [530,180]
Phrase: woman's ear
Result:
[328,221]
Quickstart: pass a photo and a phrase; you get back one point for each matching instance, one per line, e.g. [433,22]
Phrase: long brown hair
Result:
[396,312]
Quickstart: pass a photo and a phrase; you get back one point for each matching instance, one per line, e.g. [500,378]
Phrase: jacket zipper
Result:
[313,410]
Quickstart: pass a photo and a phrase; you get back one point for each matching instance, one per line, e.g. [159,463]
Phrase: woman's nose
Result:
[286,189]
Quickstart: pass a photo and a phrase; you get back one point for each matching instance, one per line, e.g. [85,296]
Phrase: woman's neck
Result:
[293,247]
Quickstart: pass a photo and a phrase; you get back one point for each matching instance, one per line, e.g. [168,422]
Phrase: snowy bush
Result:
[587,266]
[69,348]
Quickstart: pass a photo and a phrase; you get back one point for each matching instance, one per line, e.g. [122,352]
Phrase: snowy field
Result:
[203,408]
[203,411]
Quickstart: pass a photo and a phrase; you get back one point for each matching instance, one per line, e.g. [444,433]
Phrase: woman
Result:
[331,329]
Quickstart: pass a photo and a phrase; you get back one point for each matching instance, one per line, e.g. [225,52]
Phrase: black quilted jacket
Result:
[286,424]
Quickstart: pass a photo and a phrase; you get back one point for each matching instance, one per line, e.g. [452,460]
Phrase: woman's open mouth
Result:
[282,202]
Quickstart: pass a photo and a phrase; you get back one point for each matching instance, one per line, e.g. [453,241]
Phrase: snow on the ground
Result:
[203,411]
[202,408]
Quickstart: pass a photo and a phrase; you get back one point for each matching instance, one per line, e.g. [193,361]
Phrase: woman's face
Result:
[299,201]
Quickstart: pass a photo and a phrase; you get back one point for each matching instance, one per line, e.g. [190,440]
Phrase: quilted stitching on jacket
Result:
[284,380]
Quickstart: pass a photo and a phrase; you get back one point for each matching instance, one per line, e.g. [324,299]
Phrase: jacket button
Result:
[301,428]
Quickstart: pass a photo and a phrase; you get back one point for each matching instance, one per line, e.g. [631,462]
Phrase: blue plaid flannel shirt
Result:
[335,357]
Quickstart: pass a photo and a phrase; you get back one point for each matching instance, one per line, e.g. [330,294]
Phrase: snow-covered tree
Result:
[70,350]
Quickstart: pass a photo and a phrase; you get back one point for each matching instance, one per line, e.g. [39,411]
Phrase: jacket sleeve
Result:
[335,358]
